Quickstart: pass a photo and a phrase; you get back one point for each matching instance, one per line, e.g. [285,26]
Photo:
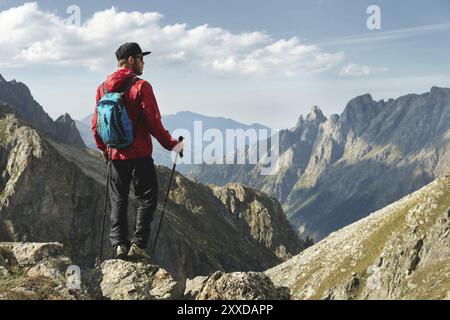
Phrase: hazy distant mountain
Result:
[84,127]
[17,95]
[332,172]
[180,120]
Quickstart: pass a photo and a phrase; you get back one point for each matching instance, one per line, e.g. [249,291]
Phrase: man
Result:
[133,163]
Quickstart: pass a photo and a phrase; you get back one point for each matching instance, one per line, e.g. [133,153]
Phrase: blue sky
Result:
[253,61]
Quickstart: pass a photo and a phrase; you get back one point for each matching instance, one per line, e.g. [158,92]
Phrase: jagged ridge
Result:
[17,95]
[334,171]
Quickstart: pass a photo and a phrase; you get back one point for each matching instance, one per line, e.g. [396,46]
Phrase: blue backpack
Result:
[113,124]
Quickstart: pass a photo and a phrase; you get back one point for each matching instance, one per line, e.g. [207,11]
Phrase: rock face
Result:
[261,217]
[332,172]
[44,197]
[17,95]
[124,280]
[399,252]
[235,286]
[50,191]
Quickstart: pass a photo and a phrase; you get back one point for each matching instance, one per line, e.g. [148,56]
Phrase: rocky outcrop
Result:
[235,286]
[399,252]
[50,191]
[43,271]
[124,280]
[261,217]
[35,271]
[333,172]
[17,95]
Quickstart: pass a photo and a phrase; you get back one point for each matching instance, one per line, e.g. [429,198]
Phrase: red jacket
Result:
[144,113]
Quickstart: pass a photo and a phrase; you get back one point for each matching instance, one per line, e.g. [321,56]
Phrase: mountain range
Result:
[371,184]
[334,171]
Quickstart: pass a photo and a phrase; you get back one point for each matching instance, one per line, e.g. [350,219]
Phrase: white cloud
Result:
[33,36]
[356,70]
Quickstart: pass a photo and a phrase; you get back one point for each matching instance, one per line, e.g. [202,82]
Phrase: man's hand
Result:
[178,147]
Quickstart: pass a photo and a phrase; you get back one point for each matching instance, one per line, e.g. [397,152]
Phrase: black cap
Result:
[129,49]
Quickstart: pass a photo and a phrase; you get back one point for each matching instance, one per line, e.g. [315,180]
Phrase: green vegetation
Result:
[430,282]
[3,136]
[373,246]
[443,204]
[20,287]
[394,225]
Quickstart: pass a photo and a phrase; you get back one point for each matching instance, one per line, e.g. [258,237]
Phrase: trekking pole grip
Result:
[181,138]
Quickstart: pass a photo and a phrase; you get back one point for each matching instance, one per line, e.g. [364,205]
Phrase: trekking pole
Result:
[167,196]
[109,161]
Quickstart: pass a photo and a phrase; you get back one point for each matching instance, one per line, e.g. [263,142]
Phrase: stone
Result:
[235,286]
[125,280]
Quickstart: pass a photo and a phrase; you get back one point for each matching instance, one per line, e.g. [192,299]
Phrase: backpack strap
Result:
[128,84]
[104,91]
[126,87]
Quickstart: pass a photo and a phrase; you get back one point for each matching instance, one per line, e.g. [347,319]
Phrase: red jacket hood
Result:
[115,81]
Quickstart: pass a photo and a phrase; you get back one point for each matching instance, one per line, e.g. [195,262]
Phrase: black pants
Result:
[142,172]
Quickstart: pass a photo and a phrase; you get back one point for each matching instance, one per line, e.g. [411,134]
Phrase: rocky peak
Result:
[65,118]
[300,121]
[435,89]
[358,105]
[261,217]
[18,95]
[360,111]
[315,115]
[66,130]
[437,92]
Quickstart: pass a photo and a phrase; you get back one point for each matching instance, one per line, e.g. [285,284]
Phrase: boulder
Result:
[125,280]
[235,286]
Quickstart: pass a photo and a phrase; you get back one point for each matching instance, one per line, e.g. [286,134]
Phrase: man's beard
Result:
[137,70]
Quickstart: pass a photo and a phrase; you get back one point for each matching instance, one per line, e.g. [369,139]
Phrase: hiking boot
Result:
[121,251]
[137,253]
